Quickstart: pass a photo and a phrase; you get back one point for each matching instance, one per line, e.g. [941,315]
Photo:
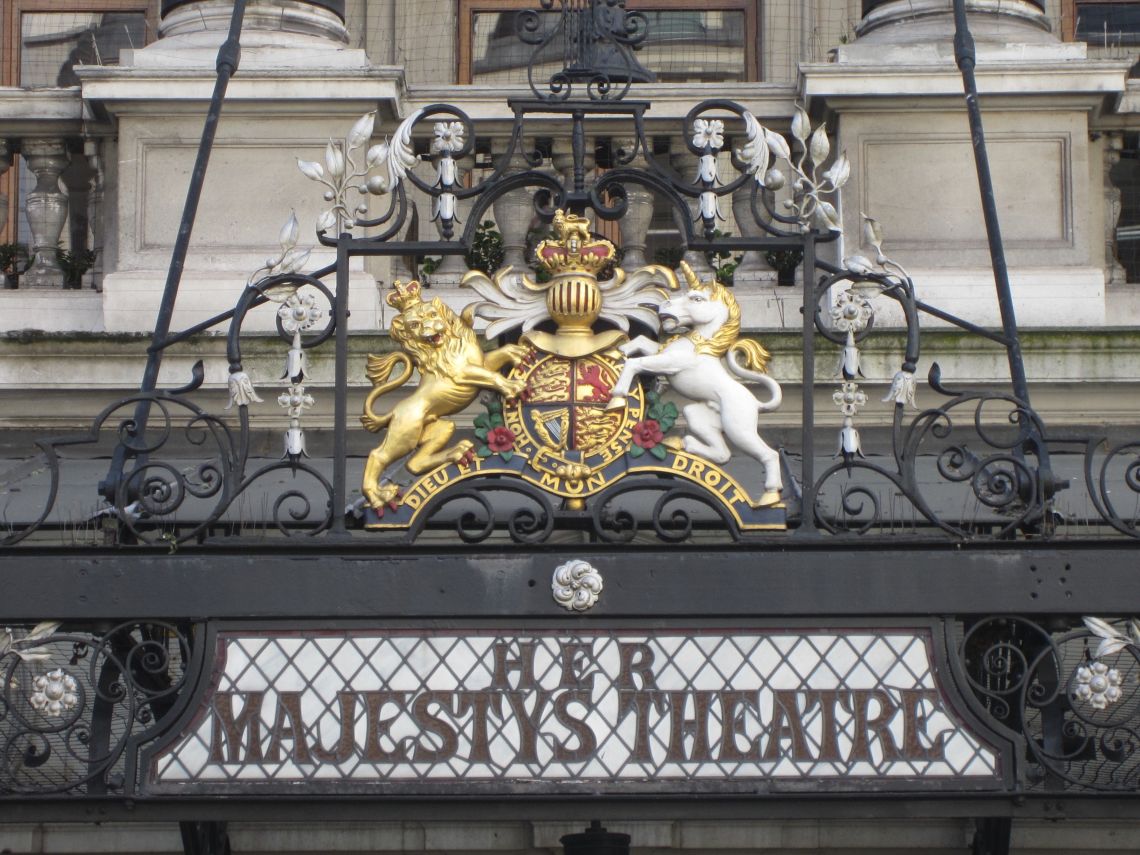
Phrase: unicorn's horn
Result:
[690,277]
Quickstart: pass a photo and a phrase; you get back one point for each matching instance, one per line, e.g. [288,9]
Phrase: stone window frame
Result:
[1069,9]
[751,9]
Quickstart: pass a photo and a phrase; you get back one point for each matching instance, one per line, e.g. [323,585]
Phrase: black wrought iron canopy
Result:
[938,567]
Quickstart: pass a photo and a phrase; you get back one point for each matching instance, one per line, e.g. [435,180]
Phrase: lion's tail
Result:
[748,359]
[379,370]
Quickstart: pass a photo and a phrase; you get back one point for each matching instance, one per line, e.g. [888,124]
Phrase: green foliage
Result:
[723,262]
[486,249]
[487,422]
[429,265]
[74,265]
[784,259]
[669,256]
[14,259]
[663,412]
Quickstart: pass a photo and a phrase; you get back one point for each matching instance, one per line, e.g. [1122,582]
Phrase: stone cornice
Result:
[125,90]
[40,112]
[1088,79]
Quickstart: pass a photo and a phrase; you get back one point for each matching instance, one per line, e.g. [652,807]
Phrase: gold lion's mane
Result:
[435,359]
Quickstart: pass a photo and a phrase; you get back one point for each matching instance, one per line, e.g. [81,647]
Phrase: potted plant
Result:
[74,264]
[784,262]
[14,260]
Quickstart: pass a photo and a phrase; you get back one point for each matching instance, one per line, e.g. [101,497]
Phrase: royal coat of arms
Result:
[564,408]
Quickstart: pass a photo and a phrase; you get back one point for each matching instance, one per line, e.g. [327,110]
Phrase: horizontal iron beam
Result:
[361,580]
[615,808]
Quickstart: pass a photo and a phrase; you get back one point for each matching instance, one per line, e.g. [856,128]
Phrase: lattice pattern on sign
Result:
[588,706]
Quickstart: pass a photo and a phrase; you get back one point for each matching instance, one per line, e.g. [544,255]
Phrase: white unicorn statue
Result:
[706,320]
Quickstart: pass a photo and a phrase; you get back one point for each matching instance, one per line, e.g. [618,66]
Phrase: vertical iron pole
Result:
[340,389]
[229,55]
[807,471]
[966,58]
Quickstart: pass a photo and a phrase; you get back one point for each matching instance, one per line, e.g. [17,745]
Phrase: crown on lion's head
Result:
[404,295]
[574,250]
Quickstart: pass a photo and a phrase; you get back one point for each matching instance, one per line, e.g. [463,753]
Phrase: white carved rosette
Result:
[576,585]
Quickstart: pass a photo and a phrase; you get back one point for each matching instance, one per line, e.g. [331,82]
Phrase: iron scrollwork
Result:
[1070,692]
[72,702]
[976,464]
[597,39]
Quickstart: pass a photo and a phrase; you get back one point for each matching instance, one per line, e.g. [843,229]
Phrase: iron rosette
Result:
[1072,697]
[73,703]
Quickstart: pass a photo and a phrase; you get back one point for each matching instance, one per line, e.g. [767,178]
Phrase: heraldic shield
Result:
[566,419]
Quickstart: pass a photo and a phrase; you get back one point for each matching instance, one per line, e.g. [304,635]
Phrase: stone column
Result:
[321,18]
[687,167]
[46,210]
[638,213]
[514,211]
[998,21]
[752,267]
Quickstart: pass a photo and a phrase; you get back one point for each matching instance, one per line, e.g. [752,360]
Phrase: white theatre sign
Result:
[429,711]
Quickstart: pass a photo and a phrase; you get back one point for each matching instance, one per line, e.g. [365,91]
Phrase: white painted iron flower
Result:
[299,312]
[242,392]
[849,398]
[903,388]
[295,400]
[851,312]
[449,137]
[708,132]
[1097,685]
[56,693]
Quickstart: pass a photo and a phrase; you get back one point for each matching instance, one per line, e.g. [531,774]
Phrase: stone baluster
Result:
[687,167]
[5,164]
[752,267]
[46,210]
[452,267]
[1114,272]
[562,157]
[6,281]
[638,213]
[93,277]
[514,211]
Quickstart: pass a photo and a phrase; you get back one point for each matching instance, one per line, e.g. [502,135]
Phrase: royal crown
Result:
[404,295]
[573,250]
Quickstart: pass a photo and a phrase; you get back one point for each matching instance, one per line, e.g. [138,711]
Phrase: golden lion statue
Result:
[453,368]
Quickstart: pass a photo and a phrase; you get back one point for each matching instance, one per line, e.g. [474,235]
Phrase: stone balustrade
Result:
[68,188]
